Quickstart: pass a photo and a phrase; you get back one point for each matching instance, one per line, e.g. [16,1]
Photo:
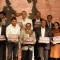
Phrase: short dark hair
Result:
[50,16]
[14,13]
[3,12]
[43,20]
[0,20]
[14,18]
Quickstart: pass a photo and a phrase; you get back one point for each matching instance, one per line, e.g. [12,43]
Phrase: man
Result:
[5,20]
[13,15]
[49,22]
[2,41]
[13,34]
[36,21]
[25,20]
[27,49]
[43,49]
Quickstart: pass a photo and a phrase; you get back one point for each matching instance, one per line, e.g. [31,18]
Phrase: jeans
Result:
[12,47]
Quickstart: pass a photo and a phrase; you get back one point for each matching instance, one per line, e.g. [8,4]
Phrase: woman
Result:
[55,48]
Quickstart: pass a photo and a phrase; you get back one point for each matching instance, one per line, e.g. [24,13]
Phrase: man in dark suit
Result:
[43,48]
[36,21]
[2,42]
[49,22]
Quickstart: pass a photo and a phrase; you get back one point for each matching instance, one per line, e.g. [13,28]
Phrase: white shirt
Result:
[42,32]
[38,20]
[0,30]
[27,20]
[11,30]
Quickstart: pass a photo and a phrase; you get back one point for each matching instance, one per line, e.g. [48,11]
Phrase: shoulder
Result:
[17,26]
[4,26]
[9,26]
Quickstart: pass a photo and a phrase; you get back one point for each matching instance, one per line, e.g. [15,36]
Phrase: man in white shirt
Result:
[43,49]
[13,34]
[25,20]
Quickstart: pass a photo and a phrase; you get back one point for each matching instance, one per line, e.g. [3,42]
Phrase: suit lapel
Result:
[40,31]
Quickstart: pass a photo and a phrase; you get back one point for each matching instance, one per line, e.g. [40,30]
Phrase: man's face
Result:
[1,16]
[38,15]
[28,26]
[0,23]
[43,23]
[13,15]
[49,19]
[24,15]
[14,22]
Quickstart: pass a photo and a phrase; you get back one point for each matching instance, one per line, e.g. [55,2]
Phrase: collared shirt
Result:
[38,20]
[42,32]
[27,20]
[49,24]
[10,30]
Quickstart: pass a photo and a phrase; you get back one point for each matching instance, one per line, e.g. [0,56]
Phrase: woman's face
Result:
[56,26]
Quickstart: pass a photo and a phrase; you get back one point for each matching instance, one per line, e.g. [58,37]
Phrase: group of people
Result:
[35,36]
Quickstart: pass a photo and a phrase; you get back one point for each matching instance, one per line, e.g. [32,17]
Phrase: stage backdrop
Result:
[44,6]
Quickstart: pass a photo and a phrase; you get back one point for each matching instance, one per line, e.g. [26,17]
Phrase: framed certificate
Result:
[44,40]
[2,38]
[28,40]
[13,37]
[56,39]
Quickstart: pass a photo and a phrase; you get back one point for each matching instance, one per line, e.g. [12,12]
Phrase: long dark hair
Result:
[57,24]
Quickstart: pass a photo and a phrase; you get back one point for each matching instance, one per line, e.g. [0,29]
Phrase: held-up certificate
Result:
[56,39]
[28,40]
[44,40]
[2,38]
[13,37]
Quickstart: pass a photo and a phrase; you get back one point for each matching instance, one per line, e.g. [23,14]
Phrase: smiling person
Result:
[13,34]
[55,48]
[27,49]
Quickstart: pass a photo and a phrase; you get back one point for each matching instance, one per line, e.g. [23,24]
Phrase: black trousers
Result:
[26,55]
[2,50]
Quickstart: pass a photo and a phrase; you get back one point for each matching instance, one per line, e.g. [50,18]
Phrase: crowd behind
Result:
[29,33]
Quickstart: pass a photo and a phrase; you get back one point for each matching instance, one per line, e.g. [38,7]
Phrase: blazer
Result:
[3,32]
[51,27]
[47,34]
[33,21]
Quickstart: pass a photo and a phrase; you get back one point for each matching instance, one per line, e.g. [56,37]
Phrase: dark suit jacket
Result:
[52,25]
[3,32]
[47,34]
[33,21]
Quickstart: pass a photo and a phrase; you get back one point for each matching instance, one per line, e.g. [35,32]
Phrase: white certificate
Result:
[44,40]
[13,37]
[28,40]
[56,39]
[2,38]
